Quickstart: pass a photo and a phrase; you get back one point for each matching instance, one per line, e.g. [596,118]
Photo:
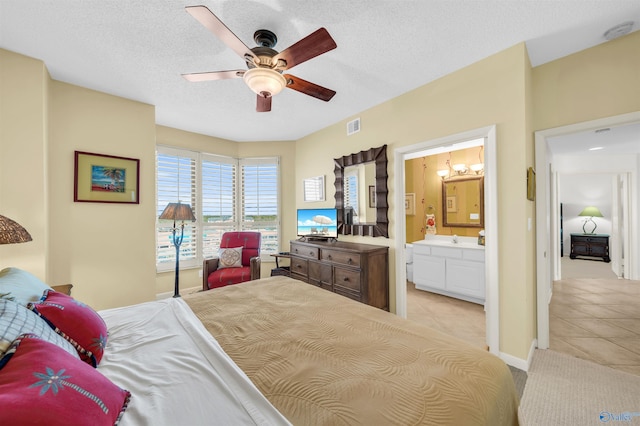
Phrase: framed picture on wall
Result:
[410,204]
[102,178]
[372,196]
[452,204]
[531,184]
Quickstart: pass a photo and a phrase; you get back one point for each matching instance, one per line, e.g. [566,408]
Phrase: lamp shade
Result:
[591,211]
[11,232]
[178,211]
[264,80]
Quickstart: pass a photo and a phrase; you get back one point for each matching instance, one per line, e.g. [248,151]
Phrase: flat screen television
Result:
[318,223]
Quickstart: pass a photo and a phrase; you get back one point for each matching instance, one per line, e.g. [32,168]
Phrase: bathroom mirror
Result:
[361,193]
[463,202]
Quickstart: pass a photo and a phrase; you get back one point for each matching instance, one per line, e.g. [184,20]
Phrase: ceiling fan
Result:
[265,65]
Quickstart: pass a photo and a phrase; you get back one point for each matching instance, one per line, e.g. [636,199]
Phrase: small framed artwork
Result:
[313,189]
[452,204]
[531,184]
[372,196]
[102,178]
[410,204]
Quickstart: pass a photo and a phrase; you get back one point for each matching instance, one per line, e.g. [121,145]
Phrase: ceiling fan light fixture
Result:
[264,80]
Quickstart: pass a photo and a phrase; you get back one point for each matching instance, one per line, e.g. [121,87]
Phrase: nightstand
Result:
[590,245]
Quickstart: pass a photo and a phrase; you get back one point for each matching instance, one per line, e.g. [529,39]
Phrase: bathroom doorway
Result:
[444,145]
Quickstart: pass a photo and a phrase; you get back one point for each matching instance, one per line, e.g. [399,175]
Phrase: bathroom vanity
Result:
[454,269]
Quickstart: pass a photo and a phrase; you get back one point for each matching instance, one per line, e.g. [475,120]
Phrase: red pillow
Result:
[41,384]
[76,322]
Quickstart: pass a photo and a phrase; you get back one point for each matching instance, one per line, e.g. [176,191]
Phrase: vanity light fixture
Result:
[443,173]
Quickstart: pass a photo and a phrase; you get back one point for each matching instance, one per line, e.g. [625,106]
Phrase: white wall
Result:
[578,191]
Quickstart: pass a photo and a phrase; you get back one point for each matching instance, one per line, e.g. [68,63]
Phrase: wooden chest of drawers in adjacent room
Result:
[357,271]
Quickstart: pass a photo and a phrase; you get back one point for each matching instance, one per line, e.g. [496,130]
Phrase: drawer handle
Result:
[350,261]
[310,253]
[345,279]
[329,257]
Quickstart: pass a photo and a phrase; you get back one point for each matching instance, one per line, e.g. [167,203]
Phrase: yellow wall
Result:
[600,82]
[23,138]
[422,180]
[105,250]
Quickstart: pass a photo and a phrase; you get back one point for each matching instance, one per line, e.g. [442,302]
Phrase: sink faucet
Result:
[455,239]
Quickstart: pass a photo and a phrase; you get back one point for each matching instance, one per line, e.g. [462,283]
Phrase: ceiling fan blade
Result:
[217,27]
[213,75]
[309,47]
[308,88]
[263,103]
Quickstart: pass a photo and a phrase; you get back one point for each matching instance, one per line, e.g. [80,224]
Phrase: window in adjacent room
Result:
[226,194]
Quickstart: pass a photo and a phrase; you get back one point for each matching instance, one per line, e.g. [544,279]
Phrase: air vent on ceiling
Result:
[353,126]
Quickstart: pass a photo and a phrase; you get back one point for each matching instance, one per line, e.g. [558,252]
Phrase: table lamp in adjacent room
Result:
[11,232]
[177,212]
[590,212]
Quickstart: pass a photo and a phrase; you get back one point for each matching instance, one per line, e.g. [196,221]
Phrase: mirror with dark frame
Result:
[371,197]
[463,202]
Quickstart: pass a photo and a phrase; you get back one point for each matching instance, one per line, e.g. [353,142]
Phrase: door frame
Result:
[492,299]
[547,258]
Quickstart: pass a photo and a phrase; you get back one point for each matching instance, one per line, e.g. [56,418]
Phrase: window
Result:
[226,194]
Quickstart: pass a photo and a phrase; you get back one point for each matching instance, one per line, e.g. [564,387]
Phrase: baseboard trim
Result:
[519,363]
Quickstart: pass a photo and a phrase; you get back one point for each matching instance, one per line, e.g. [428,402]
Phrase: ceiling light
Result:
[596,148]
[619,30]
[264,81]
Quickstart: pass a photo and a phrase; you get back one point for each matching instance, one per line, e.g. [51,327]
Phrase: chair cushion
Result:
[230,257]
[249,241]
[227,276]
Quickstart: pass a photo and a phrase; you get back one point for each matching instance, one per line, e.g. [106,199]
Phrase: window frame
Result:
[237,224]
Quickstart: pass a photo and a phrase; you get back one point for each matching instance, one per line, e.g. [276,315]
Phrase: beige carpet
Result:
[564,390]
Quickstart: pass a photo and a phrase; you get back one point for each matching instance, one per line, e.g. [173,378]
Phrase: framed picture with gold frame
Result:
[531,184]
[102,178]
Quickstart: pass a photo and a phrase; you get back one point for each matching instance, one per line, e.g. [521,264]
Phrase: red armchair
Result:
[213,276]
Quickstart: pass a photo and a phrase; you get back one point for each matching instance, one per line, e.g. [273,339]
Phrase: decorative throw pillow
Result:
[21,286]
[230,257]
[76,322]
[16,319]
[41,384]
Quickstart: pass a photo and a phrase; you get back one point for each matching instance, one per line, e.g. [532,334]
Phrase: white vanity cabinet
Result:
[455,270]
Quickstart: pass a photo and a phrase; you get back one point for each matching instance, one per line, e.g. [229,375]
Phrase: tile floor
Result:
[597,319]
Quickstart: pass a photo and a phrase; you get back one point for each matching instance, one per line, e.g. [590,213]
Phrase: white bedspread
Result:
[176,371]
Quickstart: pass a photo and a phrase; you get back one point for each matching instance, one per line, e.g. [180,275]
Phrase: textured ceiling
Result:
[139,49]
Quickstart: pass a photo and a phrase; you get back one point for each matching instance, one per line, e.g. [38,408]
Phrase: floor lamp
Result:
[181,212]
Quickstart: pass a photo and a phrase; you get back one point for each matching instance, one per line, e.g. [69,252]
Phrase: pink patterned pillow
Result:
[41,384]
[76,322]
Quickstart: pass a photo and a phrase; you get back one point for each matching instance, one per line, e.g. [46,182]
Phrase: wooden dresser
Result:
[590,245]
[358,271]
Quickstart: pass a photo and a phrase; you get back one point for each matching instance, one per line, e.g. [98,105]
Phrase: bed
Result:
[274,351]
[286,352]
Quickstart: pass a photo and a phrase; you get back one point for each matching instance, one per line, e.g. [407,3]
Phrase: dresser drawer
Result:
[346,278]
[305,251]
[299,266]
[342,257]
